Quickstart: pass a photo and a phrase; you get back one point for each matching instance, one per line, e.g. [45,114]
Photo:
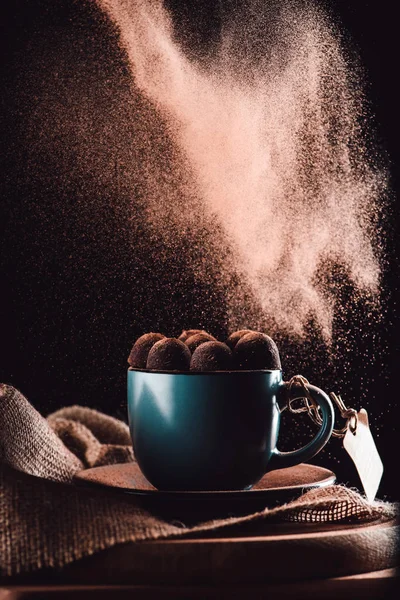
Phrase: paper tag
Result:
[363,452]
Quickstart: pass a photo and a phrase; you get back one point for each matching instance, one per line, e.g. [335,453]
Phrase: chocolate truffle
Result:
[141,349]
[236,336]
[187,333]
[198,338]
[211,356]
[169,354]
[255,352]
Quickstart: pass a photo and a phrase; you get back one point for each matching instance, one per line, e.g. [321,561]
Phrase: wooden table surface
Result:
[370,586]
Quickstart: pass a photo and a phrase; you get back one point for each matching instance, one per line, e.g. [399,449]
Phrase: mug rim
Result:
[201,373]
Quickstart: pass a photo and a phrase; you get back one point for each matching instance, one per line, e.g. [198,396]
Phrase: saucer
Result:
[275,488]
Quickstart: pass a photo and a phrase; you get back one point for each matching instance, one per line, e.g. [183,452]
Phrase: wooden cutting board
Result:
[277,555]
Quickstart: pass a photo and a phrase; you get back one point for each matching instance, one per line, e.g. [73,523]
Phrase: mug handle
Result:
[281,460]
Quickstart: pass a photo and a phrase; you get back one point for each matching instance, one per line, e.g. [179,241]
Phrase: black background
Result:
[74,290]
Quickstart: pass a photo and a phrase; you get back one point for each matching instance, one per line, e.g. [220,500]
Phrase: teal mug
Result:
[214,430]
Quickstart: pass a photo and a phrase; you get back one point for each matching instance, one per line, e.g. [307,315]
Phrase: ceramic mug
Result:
[214,430]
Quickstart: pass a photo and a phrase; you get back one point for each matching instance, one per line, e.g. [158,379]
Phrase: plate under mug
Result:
[274,488]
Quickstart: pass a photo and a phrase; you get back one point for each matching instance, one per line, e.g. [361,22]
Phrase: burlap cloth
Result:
[45,521]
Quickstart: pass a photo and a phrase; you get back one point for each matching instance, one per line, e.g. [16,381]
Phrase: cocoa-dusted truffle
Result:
[256,351]
[211,356]
[169,354]
[141,348]
[195,340]
[236,336]
[187,333]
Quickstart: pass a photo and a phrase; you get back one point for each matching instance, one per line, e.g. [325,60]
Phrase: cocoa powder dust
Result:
[270,146]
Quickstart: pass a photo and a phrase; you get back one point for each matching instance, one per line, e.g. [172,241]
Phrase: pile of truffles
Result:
[197,350]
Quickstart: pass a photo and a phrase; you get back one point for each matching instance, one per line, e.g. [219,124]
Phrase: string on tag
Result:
[312,408]
[357,438]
